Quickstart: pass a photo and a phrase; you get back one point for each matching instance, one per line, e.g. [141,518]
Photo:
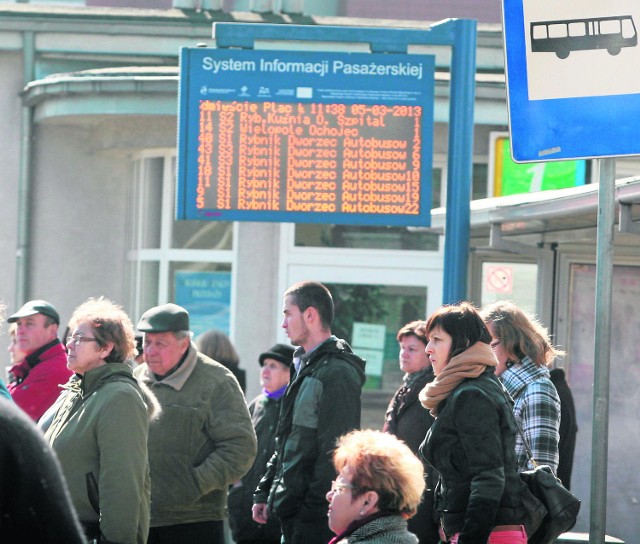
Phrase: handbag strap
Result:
[524,438]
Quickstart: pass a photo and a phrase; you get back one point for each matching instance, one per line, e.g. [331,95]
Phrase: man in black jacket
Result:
[321,404]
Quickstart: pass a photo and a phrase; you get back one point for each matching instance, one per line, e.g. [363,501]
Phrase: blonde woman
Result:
[524,353]
[379,486]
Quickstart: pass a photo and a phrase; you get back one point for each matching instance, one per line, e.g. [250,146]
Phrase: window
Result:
[186,262]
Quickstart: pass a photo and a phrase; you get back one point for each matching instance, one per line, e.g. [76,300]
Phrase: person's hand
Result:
[259,512]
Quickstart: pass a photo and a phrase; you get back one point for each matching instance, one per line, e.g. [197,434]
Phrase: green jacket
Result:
[202,443]
[99,433]
[321,404]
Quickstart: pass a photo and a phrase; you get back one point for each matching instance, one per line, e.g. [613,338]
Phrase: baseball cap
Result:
[36,307]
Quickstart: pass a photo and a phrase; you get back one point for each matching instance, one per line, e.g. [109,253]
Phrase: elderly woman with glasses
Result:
[524,352]
[100,427]
[379,485]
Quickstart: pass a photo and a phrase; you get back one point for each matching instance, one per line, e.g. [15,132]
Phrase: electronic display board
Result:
[301,136]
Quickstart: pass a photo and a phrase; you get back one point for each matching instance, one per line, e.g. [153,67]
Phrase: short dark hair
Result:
[463,323]
[415,328]
[306,294]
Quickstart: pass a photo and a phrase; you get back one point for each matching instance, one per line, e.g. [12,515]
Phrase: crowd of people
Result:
[136,434]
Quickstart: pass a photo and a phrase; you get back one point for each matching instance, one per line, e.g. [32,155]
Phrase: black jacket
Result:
[407,419]
[321,404]
[264,416]
[472,445]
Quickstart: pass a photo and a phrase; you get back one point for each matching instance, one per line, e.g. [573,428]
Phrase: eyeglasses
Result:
[77,339]
[337,486]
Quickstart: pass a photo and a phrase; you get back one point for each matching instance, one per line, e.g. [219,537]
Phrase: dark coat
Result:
[568,427]
[34,502]
[321,404]
[264,416]
[408,420]
[472,445]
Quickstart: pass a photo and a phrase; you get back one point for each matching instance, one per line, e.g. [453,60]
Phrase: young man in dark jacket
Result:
[321,404]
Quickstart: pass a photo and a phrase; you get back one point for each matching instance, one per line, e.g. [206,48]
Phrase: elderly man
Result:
[202,442]
[34,382]
[321,404]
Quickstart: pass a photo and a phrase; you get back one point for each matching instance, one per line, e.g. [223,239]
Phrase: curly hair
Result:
[110,325]
[415,328]
[520,334]
[382,463]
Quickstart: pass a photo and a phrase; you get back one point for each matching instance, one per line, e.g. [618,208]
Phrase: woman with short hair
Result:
[409,421]
[100,428]
[379,486]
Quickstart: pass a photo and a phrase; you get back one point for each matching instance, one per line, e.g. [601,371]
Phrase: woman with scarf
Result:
[264,409]
[379,485]
[524,352]
[409,421]
[480,497]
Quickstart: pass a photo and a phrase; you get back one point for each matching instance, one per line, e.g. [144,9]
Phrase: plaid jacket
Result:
[537,409]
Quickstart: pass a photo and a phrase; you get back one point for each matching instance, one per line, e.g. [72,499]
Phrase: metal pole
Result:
[23,249]
[460,161]
[604,280]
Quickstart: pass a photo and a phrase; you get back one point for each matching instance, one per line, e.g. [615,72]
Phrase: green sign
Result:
[512,178]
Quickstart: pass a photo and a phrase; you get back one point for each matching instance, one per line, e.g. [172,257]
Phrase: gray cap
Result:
[36,307]
[164,318]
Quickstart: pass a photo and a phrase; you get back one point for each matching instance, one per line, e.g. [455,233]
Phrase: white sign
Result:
[585,48]
[573,83]
[367,335]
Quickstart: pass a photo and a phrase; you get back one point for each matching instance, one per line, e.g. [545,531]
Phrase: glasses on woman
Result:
[77,339]
[337,486]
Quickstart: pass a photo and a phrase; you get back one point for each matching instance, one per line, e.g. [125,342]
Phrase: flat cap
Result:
[36,307]
[164,318]
[279,352]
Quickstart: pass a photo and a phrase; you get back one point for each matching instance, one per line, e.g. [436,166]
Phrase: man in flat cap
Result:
[34,382]
[202,443]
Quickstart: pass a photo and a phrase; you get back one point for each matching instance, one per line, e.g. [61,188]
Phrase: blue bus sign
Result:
[300,136]
[572,81]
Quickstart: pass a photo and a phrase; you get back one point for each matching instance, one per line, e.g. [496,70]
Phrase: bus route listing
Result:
[312,157]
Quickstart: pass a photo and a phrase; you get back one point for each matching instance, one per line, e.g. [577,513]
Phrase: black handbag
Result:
[562,505]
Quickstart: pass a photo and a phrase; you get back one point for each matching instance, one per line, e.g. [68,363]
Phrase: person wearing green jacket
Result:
[203,442]
[100,428]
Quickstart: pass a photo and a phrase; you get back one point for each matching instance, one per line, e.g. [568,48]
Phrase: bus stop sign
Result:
[573,85]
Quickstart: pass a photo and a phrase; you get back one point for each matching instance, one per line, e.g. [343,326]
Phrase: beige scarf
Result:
[472,362]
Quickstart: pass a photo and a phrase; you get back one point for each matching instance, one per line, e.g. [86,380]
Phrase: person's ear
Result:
[370,504]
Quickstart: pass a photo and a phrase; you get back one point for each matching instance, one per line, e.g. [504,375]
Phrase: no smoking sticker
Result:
[499,279]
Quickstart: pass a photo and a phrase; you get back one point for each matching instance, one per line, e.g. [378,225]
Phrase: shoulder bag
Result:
[562,505]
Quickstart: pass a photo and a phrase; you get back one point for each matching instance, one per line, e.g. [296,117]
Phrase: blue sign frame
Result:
[243,77]
[579,127]
[459,35]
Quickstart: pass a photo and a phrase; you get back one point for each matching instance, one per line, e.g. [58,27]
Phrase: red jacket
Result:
[46,371]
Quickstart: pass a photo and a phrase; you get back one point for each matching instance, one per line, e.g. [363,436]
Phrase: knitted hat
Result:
[164,318]
[279,352]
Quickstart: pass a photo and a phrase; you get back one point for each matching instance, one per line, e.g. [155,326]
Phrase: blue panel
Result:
[248,118]
[568,127]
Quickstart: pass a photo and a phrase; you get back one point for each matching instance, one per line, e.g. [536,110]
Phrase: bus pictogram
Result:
[563,36]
